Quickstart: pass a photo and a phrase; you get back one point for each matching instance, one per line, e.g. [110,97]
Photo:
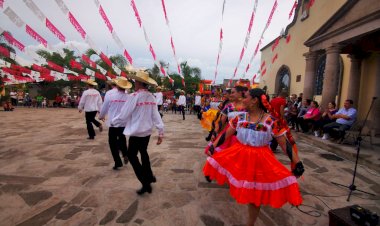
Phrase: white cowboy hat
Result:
[91,82]
[123,83]
[142,76]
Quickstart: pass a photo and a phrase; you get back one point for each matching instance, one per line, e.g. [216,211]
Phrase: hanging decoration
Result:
[246,41]
[40,15]
[220,43]
[112,31]
[274,7]
[158,64]
[172,42]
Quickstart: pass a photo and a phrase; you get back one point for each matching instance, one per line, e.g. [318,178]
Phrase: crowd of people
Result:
[244,128]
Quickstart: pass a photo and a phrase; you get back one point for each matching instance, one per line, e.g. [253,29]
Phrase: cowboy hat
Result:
[123,83]
[91,82]
[142,76]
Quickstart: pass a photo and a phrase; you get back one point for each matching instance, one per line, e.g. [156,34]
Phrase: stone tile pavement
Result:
[51,175]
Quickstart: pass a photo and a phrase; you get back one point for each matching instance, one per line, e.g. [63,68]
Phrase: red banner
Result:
[129,58]
[100,76]
[263,72]
[123,74]
[55,67]
[47,77]
[152,51]
[55,31]
[275,44]
[35,35]
[88,61]
[75,64]
[5,52]
[163,71]
[164,8]
[21,69]
[104,16]
[271,13]
[274,58]
[288,38]
[13,41]
[106,59]
[41,69]
[293,8]
[133,4]
[77,26]
[262,65]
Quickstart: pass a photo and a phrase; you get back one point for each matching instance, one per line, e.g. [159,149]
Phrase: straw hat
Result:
[197,92]
[123,83]
[91,82]
[142,76]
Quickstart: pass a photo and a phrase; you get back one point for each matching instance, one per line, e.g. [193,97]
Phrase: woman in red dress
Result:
[254,174]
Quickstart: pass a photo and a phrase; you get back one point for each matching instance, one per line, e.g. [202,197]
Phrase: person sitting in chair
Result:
[345,117]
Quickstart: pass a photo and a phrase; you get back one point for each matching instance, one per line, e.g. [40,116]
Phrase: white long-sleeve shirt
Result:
[90,101]
[114,101]
[141,114]
[197,101]
[181,100]
[159,98]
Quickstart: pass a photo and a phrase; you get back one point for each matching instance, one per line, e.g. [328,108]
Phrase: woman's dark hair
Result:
[308,101]
[333,103]
[257,93]
[315,103]
[241,89]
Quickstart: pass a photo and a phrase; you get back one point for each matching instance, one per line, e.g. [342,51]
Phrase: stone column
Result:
[310,71]
[354,79]
[375,112]
[331,78]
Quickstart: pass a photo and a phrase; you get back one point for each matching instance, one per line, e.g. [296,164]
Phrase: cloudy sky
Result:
[195,26]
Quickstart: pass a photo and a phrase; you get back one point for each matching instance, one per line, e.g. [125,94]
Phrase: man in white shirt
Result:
[159,99]
[182,103]
[114,100]
[197,102]
[91,103]
[141,114]
[13,95]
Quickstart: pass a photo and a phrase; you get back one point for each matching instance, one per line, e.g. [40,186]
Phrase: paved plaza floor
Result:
[50,174]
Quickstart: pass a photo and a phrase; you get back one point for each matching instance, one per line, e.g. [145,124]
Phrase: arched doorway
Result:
[283,79]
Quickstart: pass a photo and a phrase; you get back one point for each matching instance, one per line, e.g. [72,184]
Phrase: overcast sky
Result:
[195,26]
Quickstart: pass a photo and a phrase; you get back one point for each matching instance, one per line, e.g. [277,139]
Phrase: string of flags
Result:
[57,71]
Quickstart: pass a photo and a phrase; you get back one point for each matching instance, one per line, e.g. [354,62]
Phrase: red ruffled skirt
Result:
[254,175]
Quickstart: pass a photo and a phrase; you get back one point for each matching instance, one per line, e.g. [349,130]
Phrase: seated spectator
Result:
[301,112]
[7,105]
[58,101]
[292,116]
[326,118]
[311,117]
[345,117]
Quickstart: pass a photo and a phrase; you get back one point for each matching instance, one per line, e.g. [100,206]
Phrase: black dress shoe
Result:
[144,189]
[116,167]
[90,138]
[208,179]
[154,180]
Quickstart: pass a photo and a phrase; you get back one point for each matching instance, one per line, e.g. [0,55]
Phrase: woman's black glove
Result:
[299,169]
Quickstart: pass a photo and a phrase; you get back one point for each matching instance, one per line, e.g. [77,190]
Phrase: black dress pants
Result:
[117,142]
[142,170]
[90,118]
[182,109]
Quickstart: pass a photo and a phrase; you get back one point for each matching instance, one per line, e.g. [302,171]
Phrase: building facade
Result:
[333,54]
